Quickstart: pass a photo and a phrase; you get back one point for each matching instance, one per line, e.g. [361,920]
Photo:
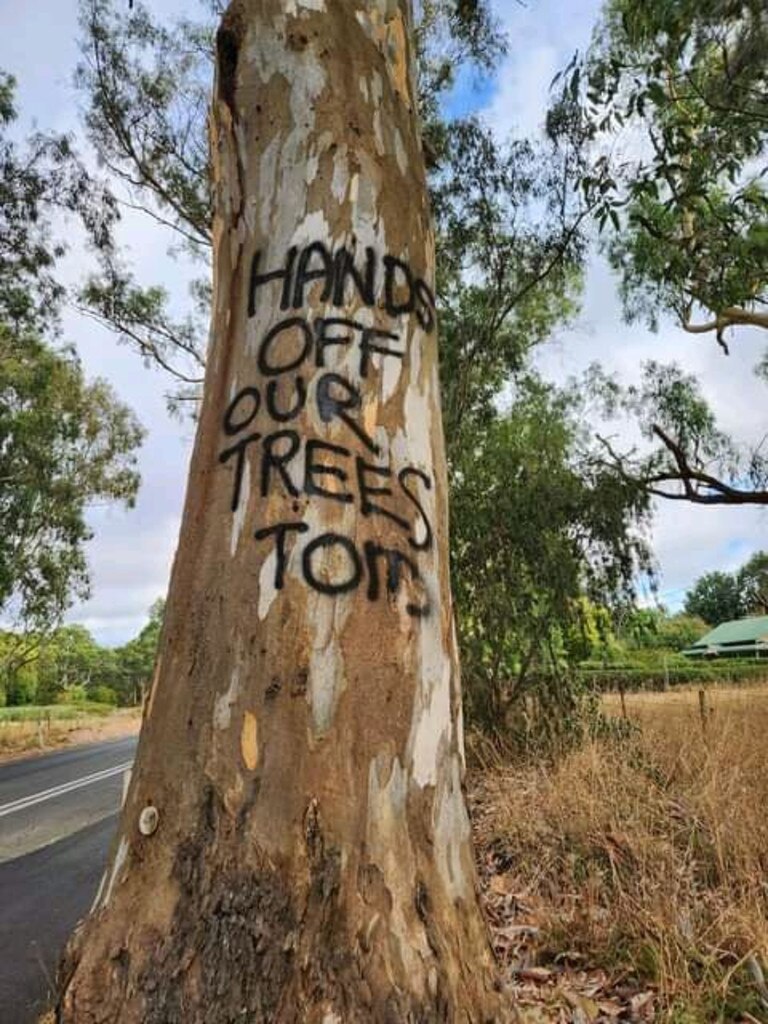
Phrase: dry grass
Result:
[40,734]
[646,856]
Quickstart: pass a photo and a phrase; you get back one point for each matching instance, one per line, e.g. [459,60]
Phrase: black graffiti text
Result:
[343,276]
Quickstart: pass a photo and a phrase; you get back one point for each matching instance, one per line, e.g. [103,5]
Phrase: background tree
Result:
[681,630]
[67,665]
[136,659]
[39,180]
[18,675]
[64,442]
[653,629]
[715,597]
[538,526]
[670,104]
[531,535]
[753,583]
[720,596]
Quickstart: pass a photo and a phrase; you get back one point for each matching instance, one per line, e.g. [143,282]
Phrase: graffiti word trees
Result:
[311,372]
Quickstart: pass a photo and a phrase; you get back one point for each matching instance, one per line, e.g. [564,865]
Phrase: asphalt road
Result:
[57,816]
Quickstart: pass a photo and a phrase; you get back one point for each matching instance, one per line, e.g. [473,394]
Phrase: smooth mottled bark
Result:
[295,846]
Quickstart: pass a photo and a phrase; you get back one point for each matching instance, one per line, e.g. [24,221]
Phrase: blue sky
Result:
[132,551]
[472,91]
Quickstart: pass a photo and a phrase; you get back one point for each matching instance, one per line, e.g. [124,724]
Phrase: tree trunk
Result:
[295,845]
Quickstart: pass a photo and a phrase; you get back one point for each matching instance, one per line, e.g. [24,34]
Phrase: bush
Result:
[75,694]
[629,676]
[103,695]
[53,712]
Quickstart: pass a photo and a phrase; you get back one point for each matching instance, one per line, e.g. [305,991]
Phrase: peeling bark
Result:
[311,860]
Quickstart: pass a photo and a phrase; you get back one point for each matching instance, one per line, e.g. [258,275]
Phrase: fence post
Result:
[703,709]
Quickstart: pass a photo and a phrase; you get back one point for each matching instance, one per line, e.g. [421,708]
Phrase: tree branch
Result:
[731,316]
[698,487]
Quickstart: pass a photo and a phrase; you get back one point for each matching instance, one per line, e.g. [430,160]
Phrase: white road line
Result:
[66,787]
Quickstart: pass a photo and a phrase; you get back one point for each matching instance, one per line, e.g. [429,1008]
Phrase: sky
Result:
[132,550]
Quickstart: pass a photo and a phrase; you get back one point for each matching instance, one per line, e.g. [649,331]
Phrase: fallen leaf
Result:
[540,975]
[587,1007]
[641,1005]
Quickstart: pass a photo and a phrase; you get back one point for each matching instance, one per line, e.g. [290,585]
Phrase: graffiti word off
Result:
[343,277]
[293,341]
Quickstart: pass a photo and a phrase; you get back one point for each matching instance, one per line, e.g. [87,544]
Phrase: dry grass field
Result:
[42,732]
[629,881]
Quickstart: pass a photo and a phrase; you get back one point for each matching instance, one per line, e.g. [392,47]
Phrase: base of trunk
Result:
[244,944]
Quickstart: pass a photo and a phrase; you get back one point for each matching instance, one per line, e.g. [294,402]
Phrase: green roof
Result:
[740,631]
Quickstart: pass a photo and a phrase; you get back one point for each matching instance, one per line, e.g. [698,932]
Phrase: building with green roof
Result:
[742,638]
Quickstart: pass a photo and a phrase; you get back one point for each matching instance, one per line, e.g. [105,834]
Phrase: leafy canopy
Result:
[39,180]
[672,100]
[64,442]
[668,112]
[538,527]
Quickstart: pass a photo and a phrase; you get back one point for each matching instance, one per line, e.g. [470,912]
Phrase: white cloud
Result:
[131,556]
[519,105]
[543,37]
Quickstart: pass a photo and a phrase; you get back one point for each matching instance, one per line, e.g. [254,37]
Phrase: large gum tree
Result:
[294,846]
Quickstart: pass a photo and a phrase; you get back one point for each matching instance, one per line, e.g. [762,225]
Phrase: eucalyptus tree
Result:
[65,442]
[294,846]
[543,532]
[669,112]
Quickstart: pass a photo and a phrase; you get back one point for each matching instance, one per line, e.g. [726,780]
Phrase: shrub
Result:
[74,694]
[102,695]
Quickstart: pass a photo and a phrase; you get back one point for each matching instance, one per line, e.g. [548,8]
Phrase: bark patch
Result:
[228,40]
[230,948]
